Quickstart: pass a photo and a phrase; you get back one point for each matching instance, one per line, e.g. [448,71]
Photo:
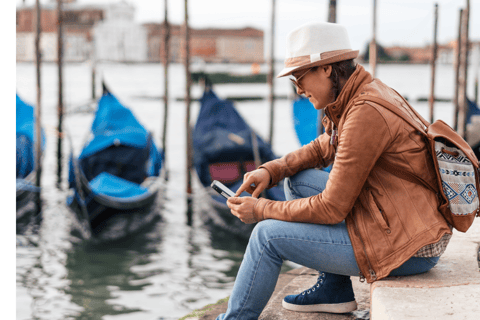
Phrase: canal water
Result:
[169,268]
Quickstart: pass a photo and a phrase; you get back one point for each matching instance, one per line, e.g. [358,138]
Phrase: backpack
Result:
[457,168]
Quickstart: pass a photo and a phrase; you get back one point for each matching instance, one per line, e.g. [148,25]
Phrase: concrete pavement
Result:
[451,290]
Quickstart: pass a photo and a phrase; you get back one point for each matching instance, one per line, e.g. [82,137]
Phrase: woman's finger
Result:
[234,200]
[258,190]
[244,187]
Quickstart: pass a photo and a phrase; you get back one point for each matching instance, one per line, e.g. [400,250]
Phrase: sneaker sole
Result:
[330,308]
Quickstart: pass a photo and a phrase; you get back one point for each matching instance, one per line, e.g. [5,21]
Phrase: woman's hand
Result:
[242,208]
[254,182]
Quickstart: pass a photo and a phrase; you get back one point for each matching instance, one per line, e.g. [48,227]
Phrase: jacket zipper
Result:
[370,269]
[334,134]
[333,137]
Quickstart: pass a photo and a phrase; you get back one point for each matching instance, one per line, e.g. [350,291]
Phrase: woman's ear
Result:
[327,69]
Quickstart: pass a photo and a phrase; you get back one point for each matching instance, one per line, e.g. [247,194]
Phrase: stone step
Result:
[305,279]
[292,282]
[451,290]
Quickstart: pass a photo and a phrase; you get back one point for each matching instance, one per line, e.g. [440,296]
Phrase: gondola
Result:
[473,127]
[118,174]
[225,148]
[26,173]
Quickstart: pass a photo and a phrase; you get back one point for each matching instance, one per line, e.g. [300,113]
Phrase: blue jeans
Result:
[325,248]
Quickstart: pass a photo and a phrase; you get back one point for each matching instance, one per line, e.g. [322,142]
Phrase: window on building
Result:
[85,17]
[70,17]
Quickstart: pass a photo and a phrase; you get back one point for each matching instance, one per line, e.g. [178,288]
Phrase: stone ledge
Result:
[451,290]
[457,302]
[293,281]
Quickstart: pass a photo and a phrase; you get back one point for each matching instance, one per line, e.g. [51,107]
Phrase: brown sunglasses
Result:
[296,81]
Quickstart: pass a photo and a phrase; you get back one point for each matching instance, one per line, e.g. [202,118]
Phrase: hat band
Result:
[302,60]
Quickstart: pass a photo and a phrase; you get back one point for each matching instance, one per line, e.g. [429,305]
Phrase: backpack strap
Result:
[421,124]
[382,163]
[403,174]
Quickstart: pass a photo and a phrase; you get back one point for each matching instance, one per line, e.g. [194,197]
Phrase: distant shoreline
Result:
[211,63]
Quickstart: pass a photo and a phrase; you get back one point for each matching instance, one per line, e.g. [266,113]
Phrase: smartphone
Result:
[221,189]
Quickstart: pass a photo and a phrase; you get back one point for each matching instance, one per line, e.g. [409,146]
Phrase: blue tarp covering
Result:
[473,110]
[25,137]
[305,120]
[212,139]
[121,148]
[114,124]
[113,186]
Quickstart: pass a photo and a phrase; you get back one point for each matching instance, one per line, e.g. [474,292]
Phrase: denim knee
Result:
[305,184]
[264,234]
[263,230]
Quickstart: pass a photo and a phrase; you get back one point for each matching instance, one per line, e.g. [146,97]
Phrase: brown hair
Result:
[341,70]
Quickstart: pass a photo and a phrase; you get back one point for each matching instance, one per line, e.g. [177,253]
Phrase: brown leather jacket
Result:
[388,219]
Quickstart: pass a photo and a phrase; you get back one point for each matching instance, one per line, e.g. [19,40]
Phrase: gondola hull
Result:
[473,127]
[225,148]
[25,197]
[117,177]
[218,217]
[109,218]
[26,190]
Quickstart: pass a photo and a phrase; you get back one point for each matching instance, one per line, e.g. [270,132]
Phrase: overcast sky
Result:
[399,22]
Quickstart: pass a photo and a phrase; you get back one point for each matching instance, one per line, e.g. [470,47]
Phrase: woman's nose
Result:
[300,91]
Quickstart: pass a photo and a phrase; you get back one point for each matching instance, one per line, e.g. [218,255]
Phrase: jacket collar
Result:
[350,90]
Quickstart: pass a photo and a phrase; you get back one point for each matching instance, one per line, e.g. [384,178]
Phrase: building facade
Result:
[210,45]
[110,33]
[446,54]
[101,32]
[118,37]
[78,21]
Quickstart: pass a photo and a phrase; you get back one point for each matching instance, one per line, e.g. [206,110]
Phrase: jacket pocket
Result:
[378,214]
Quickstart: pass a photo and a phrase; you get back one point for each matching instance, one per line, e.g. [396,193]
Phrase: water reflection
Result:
[232,245]
[40,262]
[165,271]
[97,271]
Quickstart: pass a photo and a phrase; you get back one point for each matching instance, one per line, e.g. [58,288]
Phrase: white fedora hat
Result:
[316,44]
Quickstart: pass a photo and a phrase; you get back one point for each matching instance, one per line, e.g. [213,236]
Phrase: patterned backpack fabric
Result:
[458,179]
[458,173]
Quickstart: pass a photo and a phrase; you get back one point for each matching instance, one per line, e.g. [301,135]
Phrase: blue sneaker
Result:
[332,293]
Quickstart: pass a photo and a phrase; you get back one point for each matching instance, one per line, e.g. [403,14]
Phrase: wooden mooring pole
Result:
[466,45]
[166,57]
[372,52]
[94,72]
[462,92]
[332,11]
[431,99]
[332,17]
[457,72]
[60,92]
[38,107]
[271,75]
[476,62]
[189,144]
